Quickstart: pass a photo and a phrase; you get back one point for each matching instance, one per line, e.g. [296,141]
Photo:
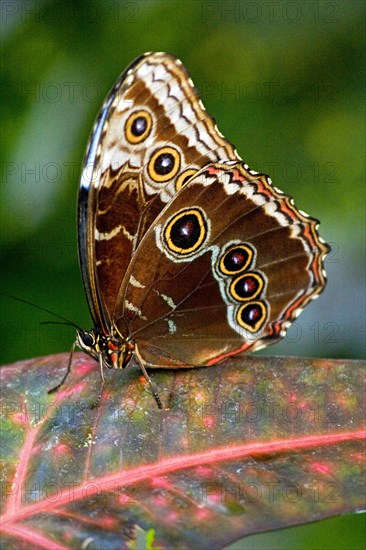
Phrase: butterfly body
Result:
[187,255]
[112,350]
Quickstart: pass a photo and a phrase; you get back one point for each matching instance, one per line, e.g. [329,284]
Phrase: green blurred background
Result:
[284,81]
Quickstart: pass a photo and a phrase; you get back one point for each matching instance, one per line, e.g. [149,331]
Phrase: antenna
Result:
[41,308]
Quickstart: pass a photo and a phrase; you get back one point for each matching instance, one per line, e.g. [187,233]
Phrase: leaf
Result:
[252,445]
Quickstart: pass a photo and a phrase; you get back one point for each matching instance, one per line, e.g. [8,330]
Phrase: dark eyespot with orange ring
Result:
[138,126]
[184,177]
[252,316]
[238,258]
[186,231]
[164,164]
[246,287]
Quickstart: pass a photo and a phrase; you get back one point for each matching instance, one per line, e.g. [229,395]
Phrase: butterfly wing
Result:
[151,136]
[226,267]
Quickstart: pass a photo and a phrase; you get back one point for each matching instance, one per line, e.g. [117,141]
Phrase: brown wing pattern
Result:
[151,136]
[226,267]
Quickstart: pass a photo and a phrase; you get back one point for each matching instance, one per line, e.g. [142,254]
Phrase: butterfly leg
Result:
[101,366]
[152,385]
[67,371]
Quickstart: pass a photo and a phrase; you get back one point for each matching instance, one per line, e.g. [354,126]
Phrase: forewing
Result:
[152,117]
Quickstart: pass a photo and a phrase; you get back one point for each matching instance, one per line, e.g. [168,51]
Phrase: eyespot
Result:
[246,287]
[184,177]
[164,164]
[138,126]
[238,258]
[252,316]
[186,231]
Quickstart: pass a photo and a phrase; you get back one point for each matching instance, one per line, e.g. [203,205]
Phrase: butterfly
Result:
[187,256]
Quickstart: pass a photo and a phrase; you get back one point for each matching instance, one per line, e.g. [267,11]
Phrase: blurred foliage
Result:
[284,81]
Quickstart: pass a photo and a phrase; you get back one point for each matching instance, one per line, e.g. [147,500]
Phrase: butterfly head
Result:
[115,352]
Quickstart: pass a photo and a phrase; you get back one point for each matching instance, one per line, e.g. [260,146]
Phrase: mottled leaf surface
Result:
[255,444]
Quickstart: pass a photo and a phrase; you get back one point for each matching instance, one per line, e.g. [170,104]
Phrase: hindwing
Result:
[226,267]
